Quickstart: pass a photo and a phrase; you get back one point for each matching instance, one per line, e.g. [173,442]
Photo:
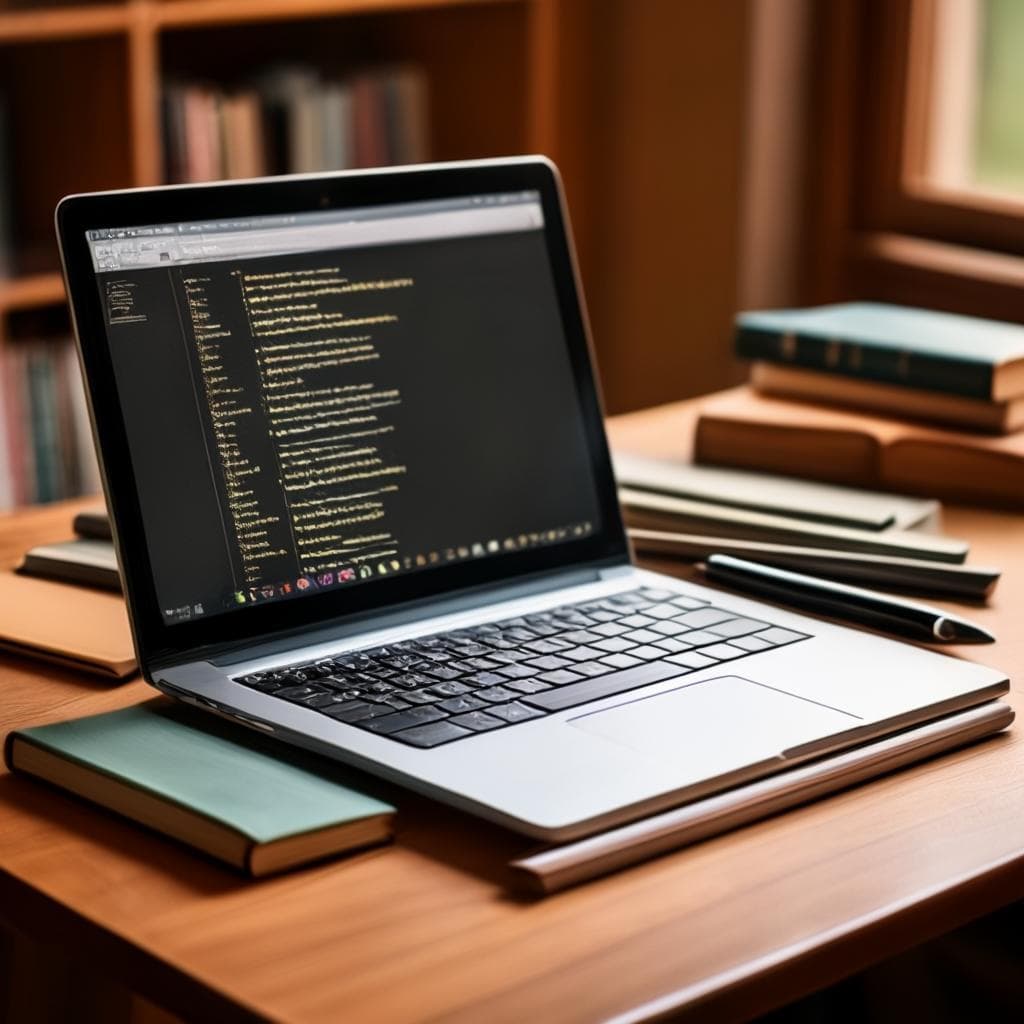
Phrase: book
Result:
[85,560]
[93,522]
[46,449]
[91,633]
[257,805]
[650,511]
[914,575]
[892,399]
[857,509]
[919,348]
[743,429]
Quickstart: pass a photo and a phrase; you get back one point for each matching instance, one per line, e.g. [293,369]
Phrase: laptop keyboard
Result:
[450,686]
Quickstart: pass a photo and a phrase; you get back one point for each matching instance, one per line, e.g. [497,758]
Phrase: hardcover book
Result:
[746,430]
[919,348]
[255,804]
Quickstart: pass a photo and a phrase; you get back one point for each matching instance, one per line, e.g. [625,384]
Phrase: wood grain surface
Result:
[424,930]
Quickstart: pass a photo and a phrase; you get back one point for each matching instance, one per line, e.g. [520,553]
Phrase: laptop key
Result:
[517,672]
[460,705]
[637,621]
[580,636]
[450,689]
[496,694]
[547,646]
[751,643]
[515,712]
[431,735]
[646,653]
[561,676]
[661,611]
[590,668]
[691,659]
[403,720]
[688,602]
[298,693]
[420,697]
[699,637]
[484,679]
[723,652]
[355,711]
[531,685]
[478,721]
[443,673]
[736,627]
[621,661]
[701,617]
[776,635]
[604,686]
[614,644]
[549,662]
[673,645]
[642,636]
[610,629]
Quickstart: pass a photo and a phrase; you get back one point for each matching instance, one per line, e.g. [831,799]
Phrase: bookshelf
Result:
[81,86]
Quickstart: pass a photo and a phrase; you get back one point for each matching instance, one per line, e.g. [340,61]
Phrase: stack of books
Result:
[875,395]
[293,120]
[46,447]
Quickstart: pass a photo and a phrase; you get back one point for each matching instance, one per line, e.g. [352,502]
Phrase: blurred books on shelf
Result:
[46,447]
[6,210]
[292,119]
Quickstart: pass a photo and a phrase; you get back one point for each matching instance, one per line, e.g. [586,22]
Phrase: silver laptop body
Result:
[580,691]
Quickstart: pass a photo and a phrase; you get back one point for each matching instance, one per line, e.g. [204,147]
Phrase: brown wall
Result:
[654,160]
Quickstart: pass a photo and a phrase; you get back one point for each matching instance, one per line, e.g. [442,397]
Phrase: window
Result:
[918,155]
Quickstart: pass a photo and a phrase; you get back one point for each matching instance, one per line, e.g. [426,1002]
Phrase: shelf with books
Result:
[46,448]
[86,87]
[59,136]
[30,291]
[80,84]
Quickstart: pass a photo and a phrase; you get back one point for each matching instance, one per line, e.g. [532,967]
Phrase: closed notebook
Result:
[749,431]
[81,627]
[255,804]
[83,560]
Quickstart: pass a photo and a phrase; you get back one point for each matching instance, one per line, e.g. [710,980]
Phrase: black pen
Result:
[855,604]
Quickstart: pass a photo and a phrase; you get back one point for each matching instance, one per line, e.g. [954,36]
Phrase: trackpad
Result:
[715,725]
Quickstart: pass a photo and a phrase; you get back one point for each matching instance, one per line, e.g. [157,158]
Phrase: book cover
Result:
[892,399]
[746,430]
[85,560]
[91,633]
[257,804]
[918,348]
[94,523]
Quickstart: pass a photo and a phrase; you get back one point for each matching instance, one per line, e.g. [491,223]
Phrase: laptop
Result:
[353,452]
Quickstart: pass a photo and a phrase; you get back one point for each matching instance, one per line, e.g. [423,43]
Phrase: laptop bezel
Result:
[158,642]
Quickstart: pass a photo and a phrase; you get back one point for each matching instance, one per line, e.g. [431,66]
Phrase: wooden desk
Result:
[422,930]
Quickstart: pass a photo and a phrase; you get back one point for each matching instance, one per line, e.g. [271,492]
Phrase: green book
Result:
[249,801]
[918,348]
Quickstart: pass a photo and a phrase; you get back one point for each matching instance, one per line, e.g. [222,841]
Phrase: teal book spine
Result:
[921,349]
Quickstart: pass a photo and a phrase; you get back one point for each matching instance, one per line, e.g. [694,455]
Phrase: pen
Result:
[855,604]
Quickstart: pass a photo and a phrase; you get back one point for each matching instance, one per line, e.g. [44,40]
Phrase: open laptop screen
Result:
[314,401]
